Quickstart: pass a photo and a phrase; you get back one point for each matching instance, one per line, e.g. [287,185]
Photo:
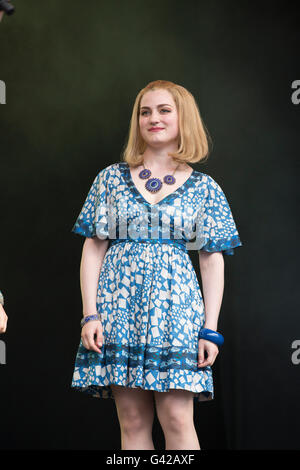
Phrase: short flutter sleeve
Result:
[93,218]
[219,228]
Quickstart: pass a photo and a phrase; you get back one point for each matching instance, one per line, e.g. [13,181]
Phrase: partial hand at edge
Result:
[212,351]
[92,335]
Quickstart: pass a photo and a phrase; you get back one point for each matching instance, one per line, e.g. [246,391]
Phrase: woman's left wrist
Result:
[211,335]
[210,326]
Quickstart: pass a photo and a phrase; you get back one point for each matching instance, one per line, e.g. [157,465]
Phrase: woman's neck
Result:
[160,160]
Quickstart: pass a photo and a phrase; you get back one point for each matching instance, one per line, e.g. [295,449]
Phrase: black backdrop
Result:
[72,72]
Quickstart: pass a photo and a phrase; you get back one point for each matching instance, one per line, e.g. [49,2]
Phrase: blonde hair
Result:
[193,135]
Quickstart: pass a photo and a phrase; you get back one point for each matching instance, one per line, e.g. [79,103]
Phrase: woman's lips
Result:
[156,129]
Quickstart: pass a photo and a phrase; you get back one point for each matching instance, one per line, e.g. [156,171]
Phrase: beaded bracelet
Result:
[88,318]
[211,335]
[1,298]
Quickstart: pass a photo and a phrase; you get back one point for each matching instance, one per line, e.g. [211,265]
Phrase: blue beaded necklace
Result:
[154,184]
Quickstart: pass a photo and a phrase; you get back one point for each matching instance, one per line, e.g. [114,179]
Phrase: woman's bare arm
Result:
[93,253]
[212,275]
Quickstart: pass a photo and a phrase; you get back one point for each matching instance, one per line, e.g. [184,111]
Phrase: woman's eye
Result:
[143,112]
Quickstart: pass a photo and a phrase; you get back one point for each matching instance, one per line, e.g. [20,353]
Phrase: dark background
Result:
[72,71]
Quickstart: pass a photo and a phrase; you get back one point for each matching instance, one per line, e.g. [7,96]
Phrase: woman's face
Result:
[158,111]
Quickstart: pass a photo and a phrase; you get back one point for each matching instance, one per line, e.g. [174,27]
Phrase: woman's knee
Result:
[175,420]
[174,412]
[133,423]
[135,409]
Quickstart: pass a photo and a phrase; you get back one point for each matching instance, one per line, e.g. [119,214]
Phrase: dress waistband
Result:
[176,242]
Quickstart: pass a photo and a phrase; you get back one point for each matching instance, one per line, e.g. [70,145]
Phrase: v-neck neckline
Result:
[141,198]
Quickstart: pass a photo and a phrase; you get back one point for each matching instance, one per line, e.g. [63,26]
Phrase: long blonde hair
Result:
[193,135]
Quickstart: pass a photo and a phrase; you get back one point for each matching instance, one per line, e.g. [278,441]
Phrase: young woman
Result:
[147,340]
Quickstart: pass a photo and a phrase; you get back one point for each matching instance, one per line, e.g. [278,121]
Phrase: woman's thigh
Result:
[175,407]
[133,404]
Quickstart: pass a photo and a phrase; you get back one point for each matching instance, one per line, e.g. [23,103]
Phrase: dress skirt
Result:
[151,313]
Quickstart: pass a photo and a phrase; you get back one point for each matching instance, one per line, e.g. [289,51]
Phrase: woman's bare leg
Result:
[135,409]
[175,411]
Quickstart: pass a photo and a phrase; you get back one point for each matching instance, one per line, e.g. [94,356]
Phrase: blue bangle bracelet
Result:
[211,335]
[88,318]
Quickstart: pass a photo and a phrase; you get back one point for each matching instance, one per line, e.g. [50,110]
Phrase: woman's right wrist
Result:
[87,313]
[87,318]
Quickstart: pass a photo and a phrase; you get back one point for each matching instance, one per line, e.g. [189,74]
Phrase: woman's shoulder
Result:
[204,177]
[110,170]
[207,179]
[208,185]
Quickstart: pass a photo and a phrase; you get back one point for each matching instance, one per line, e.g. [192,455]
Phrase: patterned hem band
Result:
[178,243]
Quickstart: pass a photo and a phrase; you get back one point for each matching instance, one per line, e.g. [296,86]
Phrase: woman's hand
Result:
[211,349]
[3,320]
[92,335]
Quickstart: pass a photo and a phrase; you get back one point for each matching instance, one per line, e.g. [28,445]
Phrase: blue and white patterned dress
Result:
[148,296]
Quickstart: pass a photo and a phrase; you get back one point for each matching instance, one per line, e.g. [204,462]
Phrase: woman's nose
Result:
[154,119]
